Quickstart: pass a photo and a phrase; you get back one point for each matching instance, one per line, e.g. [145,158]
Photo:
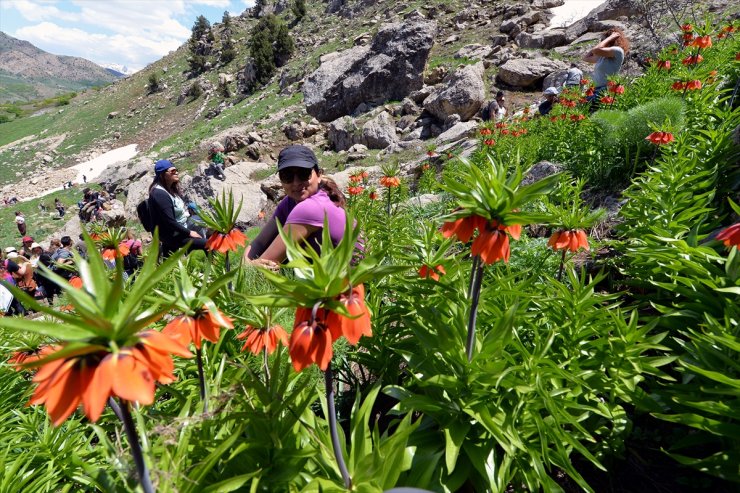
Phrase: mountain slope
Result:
[27,72]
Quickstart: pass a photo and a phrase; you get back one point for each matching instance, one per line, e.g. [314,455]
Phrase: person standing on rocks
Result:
[59,207]
[168,211]
[608,56]
[20,222]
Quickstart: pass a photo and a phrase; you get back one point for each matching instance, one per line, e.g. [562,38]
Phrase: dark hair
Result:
[500,94]
[621,41]
[11,267]
[332,190]
[173,190]
[66,241]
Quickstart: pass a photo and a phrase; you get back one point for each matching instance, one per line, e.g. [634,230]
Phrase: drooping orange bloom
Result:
[260,338]
[687,28]
[617,89]
[590,91]
[485,131]
[355,178]
[373,195]
[355,190]
[607,100]
[76,282]
[351,328]
[664,65]
[229,242]
[678,86]
[92,378]
[692,60]
[390,181]
[570,240]
[730,236]
[463,228]
[728,28]
[204,325]
[693,85]
[426,272]
[21,358]
[688,39]
[489,142]
[310,341]
[491,246]
[703,42]
[660,138]
[578,117]
[110,253]
[584,82]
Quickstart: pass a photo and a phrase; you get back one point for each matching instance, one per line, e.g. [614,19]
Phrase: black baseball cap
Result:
[297,156]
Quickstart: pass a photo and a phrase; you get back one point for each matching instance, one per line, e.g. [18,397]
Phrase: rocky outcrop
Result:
[547,39]
[522,72]
[391,67]
[380,132]
[462,93]
[609,10]
[342,133]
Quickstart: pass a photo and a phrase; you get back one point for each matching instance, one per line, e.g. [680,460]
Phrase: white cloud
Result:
[131,50]
[36,11]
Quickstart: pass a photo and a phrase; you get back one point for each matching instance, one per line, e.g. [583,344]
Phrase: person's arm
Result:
[263,240]
[601,49]
[276,252]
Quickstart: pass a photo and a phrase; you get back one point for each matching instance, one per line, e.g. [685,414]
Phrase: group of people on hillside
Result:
[607,56]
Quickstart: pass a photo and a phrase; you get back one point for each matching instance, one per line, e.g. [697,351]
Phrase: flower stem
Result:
[133,440]
[329,379]
[116,408]
[266,366]
[476,278]
[388,207]
[562,264]
[201,379]
[227,267]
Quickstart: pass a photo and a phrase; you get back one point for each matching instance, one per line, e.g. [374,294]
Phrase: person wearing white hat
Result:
[36,251]
[551,96]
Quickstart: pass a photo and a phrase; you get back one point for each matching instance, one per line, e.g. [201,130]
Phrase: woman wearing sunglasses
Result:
[309,198]
[168,211]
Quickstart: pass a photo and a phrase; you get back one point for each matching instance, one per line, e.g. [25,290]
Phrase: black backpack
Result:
[144,212]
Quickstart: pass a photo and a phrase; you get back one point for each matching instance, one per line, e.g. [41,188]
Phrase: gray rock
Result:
[526,73]
[457,132]
[474,52]
[380,132]
[499,40]
[547,4]
[391,67]
[115,215]
[419,96]
[462,92]
[541,170]
[47,159]
[423,201]
[451,121]
[543,39]
[436,75]
[112,115]
[342,133]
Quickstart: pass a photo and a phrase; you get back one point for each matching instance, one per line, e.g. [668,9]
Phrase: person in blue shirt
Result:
[608,56]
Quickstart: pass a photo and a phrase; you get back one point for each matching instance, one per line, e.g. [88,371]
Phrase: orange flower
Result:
[491,246]
[578,117]
[92,378]
[351,328]
[226,242]
[692,60]
[570,240]
[76,282]
[693,85]
[584,82]
[678,86]
[355,190]
[110,253]
[355,178]
[489,142]
[687,28]
[607,100]
[485,131]
[390,181]
[258,339]
[590,91]
[204,325]
[664,65]
[660,138]
[617,89]
[21,358]
[310,342]
[426,272]
[463,228]
[737,56]
[373,195]
[730,235]
[703,42]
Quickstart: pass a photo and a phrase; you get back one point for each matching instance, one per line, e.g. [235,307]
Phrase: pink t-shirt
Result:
[312,212]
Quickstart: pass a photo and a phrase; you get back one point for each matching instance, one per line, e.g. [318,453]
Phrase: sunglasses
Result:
[287,175]
[172,171]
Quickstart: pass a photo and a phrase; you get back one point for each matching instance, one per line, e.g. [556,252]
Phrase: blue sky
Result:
[131,33]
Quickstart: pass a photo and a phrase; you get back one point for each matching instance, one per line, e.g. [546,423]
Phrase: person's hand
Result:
[267,264]
[194,234]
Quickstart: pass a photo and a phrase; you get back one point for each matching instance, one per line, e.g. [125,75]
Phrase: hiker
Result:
[309,198]
[25,249]
[63,258]
[20,222]
[168,211]
[608,56]
[22,273]
[216,156]
[496,109]
[59,207]
[551,97]
[84,179]
[132,261]
[36,252]
[573,76]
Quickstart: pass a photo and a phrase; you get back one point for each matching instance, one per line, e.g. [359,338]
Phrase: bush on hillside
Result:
[153,84]
[200,45]
[299,9]
[270,46]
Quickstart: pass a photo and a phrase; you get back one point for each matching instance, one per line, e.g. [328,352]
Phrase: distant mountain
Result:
[123,70]
[27,72]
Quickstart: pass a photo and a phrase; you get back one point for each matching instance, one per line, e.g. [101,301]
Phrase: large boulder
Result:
[547,39]
[113,214]
[462,92]
[380,132]
[342,133]
[390,68]
[456,132]
[523,72]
